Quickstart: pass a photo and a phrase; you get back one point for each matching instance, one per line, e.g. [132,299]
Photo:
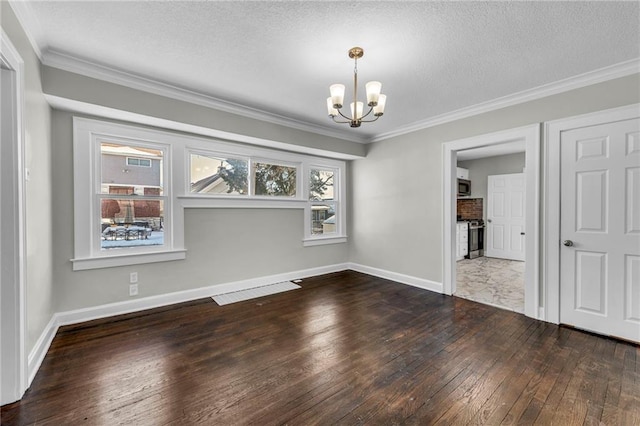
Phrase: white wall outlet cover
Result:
[133,290]
[133,277]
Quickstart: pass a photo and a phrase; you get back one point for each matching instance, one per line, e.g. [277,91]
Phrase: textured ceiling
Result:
[431,57]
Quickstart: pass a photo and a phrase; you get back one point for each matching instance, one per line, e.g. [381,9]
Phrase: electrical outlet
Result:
[133,277]
[133,290]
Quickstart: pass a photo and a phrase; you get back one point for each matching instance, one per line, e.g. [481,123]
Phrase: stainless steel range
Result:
[476,239]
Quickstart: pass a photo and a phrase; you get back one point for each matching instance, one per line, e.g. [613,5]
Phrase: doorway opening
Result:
[490,219]
[492,145]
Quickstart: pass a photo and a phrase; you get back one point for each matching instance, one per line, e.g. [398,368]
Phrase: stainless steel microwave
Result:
[464,188]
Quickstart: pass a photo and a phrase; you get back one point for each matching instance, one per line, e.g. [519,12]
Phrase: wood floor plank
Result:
[346,348]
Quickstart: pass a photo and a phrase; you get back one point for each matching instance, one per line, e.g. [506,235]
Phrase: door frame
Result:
[13,354]
[551,203]
[531,136]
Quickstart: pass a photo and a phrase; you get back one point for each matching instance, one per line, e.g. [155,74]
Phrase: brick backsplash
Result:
[470,208]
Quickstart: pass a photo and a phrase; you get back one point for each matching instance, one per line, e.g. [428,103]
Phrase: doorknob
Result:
[568,243]
[489,220]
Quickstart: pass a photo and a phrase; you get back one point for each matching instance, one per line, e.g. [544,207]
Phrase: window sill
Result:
[82,264]
[310,242]
[203,201]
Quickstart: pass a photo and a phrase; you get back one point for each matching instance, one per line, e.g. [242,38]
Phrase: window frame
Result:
[176,187]
[339,191]
[98,195]
[87,156]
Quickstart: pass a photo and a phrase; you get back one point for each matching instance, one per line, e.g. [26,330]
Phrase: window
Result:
[131,186]
[213,174]
[123,202]
[325,212]
[132,202]
[323,206]
[139,162]
[274,180]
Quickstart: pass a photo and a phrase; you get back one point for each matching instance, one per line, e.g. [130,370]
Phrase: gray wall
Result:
[223,245]
[396,192]
[481,168]
[97,92]
[37,123]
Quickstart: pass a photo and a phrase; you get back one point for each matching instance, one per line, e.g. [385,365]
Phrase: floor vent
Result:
[252,293]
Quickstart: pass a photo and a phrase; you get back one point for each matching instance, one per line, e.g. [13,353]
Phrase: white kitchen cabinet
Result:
[462,173]
[462,240]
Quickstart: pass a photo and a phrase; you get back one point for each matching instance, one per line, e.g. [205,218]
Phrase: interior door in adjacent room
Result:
[600,228]
[505,216]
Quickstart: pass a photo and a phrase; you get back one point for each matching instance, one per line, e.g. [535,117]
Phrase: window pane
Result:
[131,222]
[323,219]
[215,175]
[128,170]
[321,185]
[275,180]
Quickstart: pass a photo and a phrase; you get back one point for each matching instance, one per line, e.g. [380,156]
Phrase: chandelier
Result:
[375,101]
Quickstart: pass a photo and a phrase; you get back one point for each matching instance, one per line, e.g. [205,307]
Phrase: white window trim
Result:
[304,164]
[339,195]
[177,190]
[87,253]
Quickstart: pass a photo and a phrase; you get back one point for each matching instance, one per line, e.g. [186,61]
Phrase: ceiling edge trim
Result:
[90,69]
[29,24]
[621,69]
[131,117]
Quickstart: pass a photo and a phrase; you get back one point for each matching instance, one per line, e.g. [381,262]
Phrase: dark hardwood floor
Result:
[347,348]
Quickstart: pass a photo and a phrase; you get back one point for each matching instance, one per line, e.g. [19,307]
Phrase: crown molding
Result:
[127,116]
[621,69]
[30,25]
[90,69]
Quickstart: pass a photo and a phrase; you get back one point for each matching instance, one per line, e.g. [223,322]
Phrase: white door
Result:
[600,228]
[505,216]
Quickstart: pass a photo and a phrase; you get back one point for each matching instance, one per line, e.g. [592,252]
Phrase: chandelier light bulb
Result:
[358,113]
[337,95]
[330,109]
[378,110]
[373,92]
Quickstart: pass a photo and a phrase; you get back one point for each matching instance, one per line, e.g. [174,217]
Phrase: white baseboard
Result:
[397,277]
[39,351]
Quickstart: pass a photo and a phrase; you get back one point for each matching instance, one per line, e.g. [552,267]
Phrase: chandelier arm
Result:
[368,112]
[371,121]
[340,122]
[344,116]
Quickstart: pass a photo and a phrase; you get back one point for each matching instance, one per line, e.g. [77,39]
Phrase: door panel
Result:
[591,196]
[600,216]
[591,282]
[632,219]
[506,216]
[632,288]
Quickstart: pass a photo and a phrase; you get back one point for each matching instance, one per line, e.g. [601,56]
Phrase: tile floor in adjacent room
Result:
[497,282]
